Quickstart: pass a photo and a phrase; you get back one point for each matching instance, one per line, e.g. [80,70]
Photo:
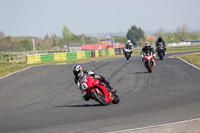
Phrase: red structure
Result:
[100,46]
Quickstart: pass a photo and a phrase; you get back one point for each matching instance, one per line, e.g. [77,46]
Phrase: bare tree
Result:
[182,32]
[1,34]
[160,32]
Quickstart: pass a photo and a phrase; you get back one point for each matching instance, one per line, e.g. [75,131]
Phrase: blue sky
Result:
[41,17]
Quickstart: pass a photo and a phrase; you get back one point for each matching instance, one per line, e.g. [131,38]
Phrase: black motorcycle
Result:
[160,50]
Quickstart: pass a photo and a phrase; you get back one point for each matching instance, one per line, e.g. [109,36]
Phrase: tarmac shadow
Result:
[140,73]
[82,105]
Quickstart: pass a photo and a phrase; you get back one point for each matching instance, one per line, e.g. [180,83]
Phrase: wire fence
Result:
[11,57]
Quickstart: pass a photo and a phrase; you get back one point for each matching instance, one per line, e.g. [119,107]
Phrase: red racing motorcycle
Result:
[148,60]
[97,90]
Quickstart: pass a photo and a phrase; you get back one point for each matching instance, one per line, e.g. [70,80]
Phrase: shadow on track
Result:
[140,73]
[84,105]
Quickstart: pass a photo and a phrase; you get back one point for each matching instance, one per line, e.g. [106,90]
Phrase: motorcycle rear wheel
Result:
[99,98]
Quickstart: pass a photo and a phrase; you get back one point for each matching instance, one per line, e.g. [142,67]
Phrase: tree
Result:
[141,42]
[54,42]
[159,32]
[1,34]
[135,34]
[120,39]
[182,32]
[169,37]
[67,34]
[46,37]
[26,45]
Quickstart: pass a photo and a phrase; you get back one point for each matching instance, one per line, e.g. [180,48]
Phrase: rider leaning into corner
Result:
[160,39]
[79,72]
[129,46]
[148,47]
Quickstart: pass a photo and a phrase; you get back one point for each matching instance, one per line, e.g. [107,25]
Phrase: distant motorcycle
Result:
[160,50]
[127,53]
[97,90]
[148,60]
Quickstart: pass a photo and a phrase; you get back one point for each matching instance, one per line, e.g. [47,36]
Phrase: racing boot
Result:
[108,85]
[154,63]
[86,97]
[111,89]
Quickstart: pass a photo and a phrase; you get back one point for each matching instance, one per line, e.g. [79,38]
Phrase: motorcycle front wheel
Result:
[100,98]
[148,66]
[127,56]
[161,55]
[116,99]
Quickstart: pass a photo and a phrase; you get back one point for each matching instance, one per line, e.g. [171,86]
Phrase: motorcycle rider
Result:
[160,40]
[129,46]
[148,47]
[78,73]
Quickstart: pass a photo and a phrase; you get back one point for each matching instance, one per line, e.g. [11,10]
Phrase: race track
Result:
[45,98]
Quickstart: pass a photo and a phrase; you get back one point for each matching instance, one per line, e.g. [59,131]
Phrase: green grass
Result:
[183,49]
[193,58]
[6,68]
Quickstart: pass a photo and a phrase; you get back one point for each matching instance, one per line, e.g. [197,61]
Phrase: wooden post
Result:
[9,57]
[1,58]
[121,50]
[13,57]
[21,56]
[17,57]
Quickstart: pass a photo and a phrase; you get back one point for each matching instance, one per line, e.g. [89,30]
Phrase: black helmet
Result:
[160,38]
[77,70]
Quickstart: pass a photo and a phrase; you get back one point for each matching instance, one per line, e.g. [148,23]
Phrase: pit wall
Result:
[39,58]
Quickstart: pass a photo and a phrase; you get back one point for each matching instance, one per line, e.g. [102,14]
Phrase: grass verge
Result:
[6,68]
[193,58]
[183,49]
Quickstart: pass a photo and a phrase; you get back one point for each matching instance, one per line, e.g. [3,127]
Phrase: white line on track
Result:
[19,71]
[15,72]
[189,63]
[156,126]
[170,57]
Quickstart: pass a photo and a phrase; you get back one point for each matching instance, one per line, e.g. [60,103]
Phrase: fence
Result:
[11,57]
[184,43]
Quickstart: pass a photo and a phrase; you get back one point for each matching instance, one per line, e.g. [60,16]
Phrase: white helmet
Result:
[147,44]
[128,41]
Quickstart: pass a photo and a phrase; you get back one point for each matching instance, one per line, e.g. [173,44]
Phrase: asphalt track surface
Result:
[45,99]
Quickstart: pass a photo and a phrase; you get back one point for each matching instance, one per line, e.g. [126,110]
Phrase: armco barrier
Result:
[31,59]
[71,56]
[47,57]
[108,52]
[87,54]
[80,55]
[111,52]
[60,56]
[96,53]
